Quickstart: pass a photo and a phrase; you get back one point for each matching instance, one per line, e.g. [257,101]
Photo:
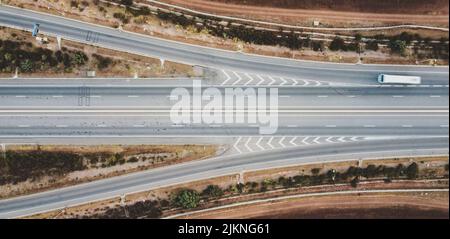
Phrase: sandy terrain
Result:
[387,205]
[343,17]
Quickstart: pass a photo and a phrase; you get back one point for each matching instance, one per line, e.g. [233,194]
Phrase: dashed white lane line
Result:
[178,125]
[397,96]
[61,126]
[58,96]
[444,126]
[23,126]
[330,126]
[101,126]
[435,96]
[138,126]
[322,96]
[96,96]
[351,96]
[292,126]
[369,126]
[407,126]
[20,96]
[285,96]
[133,96]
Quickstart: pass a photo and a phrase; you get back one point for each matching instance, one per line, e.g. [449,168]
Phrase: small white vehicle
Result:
[397,79]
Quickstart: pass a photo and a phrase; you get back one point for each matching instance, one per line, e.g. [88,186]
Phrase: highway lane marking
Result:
[21,96]
[322,96]
[61,126]
[283,81]
[138,126]
[247,146]
[435,96]
[295,82]
[351,96]
[270,143]
[285,96]
[281,142]
[261,78]
[251,79]
[239,78]
[226,75]
[272,80]
[304,141]
[369,126]
[58,96]
[258,143]
[23,126]
[316,140]
[407,126]
[444,126]
[292,126]
[293,141]
[178,125]
[96,96]
[101,126]
[330,126]
[236,143]
[133,96]
[398,96]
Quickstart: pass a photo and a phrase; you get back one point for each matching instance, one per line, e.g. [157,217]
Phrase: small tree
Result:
[337,44]
[126,2]
[26,65]
[412,171]
[398,46]
[187,198]
[355,182]
[212,191]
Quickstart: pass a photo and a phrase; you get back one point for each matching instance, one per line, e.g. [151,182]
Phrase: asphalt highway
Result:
[219,59]
[192,171]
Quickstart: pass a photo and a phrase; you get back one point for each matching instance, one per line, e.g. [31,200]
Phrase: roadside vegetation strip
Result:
[306,195]
[278,25]
[32,168]
[403,173]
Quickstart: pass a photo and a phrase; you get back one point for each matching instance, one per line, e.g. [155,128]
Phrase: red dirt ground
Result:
[434,13]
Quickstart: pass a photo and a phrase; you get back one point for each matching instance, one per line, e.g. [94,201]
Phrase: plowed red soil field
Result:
[339,14]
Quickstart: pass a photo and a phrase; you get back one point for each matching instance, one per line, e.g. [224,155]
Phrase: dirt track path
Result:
[389,205]
[298,16]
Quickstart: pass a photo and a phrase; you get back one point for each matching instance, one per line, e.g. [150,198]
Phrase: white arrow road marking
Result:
[342,139]
[238,76]
[293,141]
[354,138]
[329,140]
[269,143]
[295,82]
[258,143]
[261,78]
[247,146]
[284,81]
[235,145]
[316,140]
[281,142]
[273,80]
[228,77]
[304,141]
[251,79]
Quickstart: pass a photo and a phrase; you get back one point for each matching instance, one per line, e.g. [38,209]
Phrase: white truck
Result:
[396,79]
